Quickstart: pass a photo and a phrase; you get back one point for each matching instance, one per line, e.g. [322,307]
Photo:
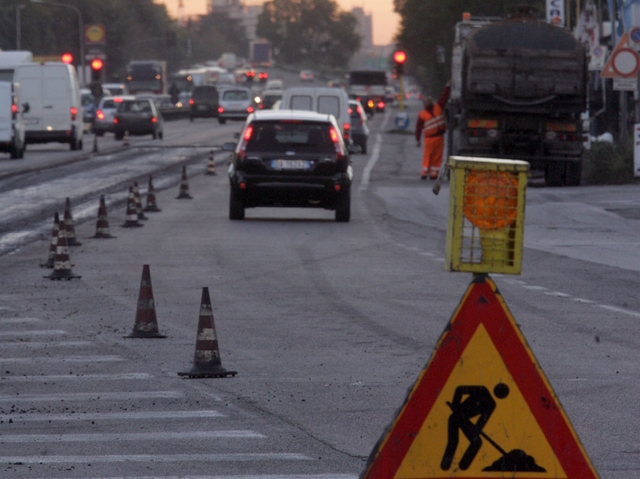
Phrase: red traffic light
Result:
[400,57]
[97,64]
[66,58]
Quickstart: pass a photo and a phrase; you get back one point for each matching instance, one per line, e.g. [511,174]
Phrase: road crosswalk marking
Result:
[134,436]
[66,377]
[109,416]
[41,344]
[35,332]
[187,458]
[106,396]
[65,359]
[19,320]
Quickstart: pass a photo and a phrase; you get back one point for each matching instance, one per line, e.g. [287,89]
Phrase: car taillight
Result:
[100,115]
[250,109]
[14,110]
[242,153]
[346,128]
[350,110]
[220,109]
[115,121]
[191,101]
[74,113]
[335,138]
[154,119]
[370,104]
[381,105]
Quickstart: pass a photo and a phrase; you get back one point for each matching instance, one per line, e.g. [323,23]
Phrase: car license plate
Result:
[290,164]
[202,107]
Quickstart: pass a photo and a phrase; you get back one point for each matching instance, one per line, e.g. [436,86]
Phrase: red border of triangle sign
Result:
[624,61]
[427,424]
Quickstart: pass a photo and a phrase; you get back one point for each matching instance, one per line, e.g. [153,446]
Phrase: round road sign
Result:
[625,62]
[634,34]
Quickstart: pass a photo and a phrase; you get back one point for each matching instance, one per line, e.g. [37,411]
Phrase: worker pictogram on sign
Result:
[481,408]
[623,62]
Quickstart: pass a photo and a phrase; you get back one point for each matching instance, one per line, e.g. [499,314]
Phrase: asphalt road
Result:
[327,324]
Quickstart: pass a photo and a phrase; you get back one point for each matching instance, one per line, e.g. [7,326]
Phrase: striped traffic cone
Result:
[125,138]
[184,186]
[151,198]
[53,243]
[206,361]
[62,262]
[102,225]
[146,324]
[136,196]
[68,225]
[211,166]
[132,213]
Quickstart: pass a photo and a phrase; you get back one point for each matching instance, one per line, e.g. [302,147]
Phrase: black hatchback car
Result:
[138,117]
[290,158]
[203,102]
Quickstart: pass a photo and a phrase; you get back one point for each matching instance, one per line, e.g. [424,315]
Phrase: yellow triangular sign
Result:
[482,407]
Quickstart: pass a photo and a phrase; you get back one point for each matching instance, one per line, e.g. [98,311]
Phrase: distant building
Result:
[239,10]
[364,28]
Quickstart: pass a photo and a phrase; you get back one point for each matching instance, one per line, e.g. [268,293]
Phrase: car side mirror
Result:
[229,146]
[354,149]
[236,136]
[26,107]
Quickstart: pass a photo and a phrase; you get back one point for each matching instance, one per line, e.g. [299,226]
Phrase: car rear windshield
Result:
[109,104]
[135,106]
[281,136]
[235,95]
[329,105]
[205,93]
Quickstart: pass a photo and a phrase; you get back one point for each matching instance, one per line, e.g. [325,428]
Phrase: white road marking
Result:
[134,436]
[65,359]
[187,458]
[106,396]
[44,332]
[66,377]
[109,416]
[42,344]
[535,288]
[620,310]
[557,294]
[582,300]
[19,320]
[373,159]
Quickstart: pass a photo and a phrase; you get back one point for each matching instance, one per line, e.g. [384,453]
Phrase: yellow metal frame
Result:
[492,249]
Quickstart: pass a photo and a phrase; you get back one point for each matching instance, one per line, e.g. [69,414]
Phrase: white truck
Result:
[11,120]
[9,60]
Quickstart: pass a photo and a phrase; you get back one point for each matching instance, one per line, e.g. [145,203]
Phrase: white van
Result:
[11,120]
[332,101]
[9,60]
[55,110]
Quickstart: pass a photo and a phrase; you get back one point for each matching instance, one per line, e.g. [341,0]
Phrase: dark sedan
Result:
[138,117]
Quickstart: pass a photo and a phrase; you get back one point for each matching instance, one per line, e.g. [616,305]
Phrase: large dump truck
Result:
[370,88]
[260,53]
[518,88]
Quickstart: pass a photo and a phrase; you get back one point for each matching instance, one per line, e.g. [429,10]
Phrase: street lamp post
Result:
[80,26]
[18,26]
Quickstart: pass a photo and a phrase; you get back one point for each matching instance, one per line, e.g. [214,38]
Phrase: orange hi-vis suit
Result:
[432,125]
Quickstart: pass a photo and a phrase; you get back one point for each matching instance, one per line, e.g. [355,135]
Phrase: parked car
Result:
[290,158]
[204,102]
[269,98]
[359,125]
[235,103]
[138,117]
[306,75]
[276,84]
[103,122]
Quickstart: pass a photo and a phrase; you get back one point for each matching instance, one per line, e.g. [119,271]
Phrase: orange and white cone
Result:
[102,225]
[53,244]
[151,198]
[132,212]
[125,138]
[136,195]
[206,361]
[184,186]
[146,324]
[211,166]
[62,262]
[69,226]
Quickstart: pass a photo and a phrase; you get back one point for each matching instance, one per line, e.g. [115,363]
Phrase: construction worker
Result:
[432,125]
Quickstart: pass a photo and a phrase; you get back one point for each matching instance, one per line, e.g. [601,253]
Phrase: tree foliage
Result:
[427,24]
[312,32]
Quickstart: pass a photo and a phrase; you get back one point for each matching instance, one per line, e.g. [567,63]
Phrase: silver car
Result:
[235,103]
[103,121]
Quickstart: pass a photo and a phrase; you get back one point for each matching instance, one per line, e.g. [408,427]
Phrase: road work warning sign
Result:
[481,408]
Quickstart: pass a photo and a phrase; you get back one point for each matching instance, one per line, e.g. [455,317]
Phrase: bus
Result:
[147,76]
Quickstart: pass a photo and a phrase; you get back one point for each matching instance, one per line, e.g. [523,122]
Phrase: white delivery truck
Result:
[332,101]
[11,120]
[9,60]
[55,111]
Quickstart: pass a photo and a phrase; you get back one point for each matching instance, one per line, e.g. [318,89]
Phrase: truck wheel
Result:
[236,208]
[553,173]
[573,173]
[222,121]
[343,207]
[14,152]
[73,144]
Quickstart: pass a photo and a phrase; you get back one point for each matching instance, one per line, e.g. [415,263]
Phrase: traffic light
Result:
[66,58]
[96,69]
[399,57]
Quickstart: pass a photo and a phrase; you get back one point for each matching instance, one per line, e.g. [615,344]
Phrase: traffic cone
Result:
[125,138]
[146,325]
[136,196]
[151,198]
[206,361]
[184,186]
[95,143]
[68,225]
[132,213]
[211,167]
[53,244]
[102,225]
[62,262]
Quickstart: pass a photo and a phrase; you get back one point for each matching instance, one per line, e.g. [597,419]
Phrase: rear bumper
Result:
[208,112]
[61,136]
[234,115]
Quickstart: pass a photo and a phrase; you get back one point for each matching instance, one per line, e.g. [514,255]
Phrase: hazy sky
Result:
[385,20]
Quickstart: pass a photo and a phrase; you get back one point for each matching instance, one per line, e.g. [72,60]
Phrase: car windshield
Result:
[329,105]
[205,93]
[235,95]
[136,106]
[281,136]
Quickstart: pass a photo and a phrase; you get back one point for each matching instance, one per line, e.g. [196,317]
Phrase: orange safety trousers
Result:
[434,127]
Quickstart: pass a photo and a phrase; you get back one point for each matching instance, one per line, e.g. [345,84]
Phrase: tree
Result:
[312,32]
